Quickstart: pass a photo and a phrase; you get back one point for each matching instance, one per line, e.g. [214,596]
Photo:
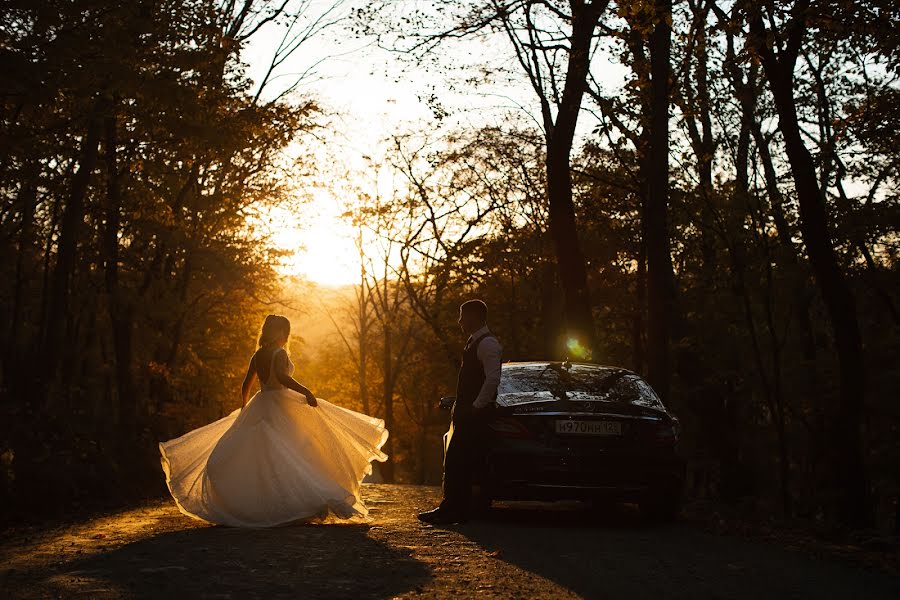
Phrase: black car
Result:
[580,431]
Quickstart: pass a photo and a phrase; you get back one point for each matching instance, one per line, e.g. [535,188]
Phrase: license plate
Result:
[589,427]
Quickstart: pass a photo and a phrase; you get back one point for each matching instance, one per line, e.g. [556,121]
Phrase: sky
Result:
[370,94]
[364,105]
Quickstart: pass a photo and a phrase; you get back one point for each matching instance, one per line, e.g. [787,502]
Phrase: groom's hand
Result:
[311,399]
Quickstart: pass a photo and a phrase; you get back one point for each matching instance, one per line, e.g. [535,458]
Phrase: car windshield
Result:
[521,384]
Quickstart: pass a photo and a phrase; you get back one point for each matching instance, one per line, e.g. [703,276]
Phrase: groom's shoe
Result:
[429,515]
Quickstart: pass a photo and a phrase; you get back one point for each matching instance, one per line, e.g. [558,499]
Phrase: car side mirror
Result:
[446,402]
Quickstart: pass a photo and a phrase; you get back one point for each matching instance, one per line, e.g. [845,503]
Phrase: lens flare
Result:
[577,349]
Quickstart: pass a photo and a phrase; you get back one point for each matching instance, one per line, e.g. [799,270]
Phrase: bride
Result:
[283,457]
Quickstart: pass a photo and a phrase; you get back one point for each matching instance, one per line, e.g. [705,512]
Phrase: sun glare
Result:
[320,244]
[578,350]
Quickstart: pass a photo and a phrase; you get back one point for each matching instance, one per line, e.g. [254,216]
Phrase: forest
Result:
[702,191]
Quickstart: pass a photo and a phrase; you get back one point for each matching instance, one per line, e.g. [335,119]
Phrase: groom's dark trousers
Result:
[466,444]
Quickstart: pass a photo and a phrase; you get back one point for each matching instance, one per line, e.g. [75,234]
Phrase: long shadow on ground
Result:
[614,553]
[222,562]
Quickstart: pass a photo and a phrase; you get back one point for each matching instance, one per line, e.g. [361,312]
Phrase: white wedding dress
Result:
[275,462]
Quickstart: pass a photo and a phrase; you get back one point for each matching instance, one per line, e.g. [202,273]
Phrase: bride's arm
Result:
[283,375]
[292,384]
[249,378]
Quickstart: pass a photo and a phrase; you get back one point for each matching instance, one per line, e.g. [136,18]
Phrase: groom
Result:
[476,390]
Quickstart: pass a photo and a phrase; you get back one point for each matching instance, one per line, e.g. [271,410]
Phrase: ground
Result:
[519,551]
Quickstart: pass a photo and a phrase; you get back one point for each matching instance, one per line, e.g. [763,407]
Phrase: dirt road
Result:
[520,552]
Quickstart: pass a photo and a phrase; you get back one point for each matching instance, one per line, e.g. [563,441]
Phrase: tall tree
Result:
[660,277]
[647,35]
[553,43]
[777,39]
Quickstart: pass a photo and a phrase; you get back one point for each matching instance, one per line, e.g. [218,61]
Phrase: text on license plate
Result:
[589,427]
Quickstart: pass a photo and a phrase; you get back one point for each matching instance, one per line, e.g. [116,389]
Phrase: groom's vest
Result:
[471,375]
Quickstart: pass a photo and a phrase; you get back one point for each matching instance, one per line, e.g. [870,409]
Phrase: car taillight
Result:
[667,432]
[509,428]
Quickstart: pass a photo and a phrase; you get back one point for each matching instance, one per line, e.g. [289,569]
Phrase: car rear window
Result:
[531,383]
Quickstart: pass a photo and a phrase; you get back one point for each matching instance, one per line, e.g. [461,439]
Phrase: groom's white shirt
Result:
[489,353]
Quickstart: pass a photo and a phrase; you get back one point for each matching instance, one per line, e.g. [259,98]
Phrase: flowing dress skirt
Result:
[277,461]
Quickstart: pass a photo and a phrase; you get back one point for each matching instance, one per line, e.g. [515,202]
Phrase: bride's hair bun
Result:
[274,328]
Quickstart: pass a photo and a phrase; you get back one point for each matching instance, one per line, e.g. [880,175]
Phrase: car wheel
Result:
[661,507]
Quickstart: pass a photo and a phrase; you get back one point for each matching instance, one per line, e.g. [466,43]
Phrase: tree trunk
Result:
[747,95]
[187,270]
[563,229]
[550,312]
[773,393]
[119,313]
[847,424]
[696,106]
[660,278]
[637,333]
[67,247]
[363,354]
[28,200]
[387,469]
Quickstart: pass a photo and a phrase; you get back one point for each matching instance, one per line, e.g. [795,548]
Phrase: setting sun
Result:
[323,248]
